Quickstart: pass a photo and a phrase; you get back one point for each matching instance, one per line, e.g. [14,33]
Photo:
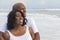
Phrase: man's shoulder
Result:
[29,18]
[3,28]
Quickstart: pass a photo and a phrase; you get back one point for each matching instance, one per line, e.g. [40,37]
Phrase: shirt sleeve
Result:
[3,28]
[31,23]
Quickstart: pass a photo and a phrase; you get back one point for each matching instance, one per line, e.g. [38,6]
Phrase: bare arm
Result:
[37,36]
[31,32]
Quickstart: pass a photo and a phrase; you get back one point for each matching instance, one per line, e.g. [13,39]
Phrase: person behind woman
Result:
[17,29]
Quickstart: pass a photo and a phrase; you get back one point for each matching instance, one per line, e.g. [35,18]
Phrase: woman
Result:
[17,29]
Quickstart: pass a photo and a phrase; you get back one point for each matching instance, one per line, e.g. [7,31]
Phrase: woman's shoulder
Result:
[6,35]
[1,33]
[1,36]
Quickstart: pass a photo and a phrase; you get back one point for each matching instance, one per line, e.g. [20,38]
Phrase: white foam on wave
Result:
[48,25]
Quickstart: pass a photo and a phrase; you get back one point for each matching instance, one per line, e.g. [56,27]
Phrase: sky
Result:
[31,4]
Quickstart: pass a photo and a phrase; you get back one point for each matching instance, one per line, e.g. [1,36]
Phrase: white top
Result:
[26,36]
[30,23]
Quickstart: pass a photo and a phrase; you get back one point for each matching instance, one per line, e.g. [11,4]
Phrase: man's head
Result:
[20,7]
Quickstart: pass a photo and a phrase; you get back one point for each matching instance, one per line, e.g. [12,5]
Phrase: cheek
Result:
[17,22]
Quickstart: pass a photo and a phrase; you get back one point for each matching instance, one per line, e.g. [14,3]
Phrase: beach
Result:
[48,25]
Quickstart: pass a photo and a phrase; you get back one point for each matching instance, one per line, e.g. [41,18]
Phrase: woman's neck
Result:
[17,26]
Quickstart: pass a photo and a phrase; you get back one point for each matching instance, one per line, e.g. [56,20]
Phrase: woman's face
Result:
[19,18]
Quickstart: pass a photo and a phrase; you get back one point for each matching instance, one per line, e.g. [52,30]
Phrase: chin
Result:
[21,24]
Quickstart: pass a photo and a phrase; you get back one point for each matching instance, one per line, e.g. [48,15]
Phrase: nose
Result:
[21,20]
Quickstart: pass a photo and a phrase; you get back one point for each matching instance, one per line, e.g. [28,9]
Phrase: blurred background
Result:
[46,14]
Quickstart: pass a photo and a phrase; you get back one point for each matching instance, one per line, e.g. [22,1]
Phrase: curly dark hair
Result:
[11,19]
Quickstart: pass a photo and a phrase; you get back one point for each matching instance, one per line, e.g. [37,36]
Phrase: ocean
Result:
[47,21]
